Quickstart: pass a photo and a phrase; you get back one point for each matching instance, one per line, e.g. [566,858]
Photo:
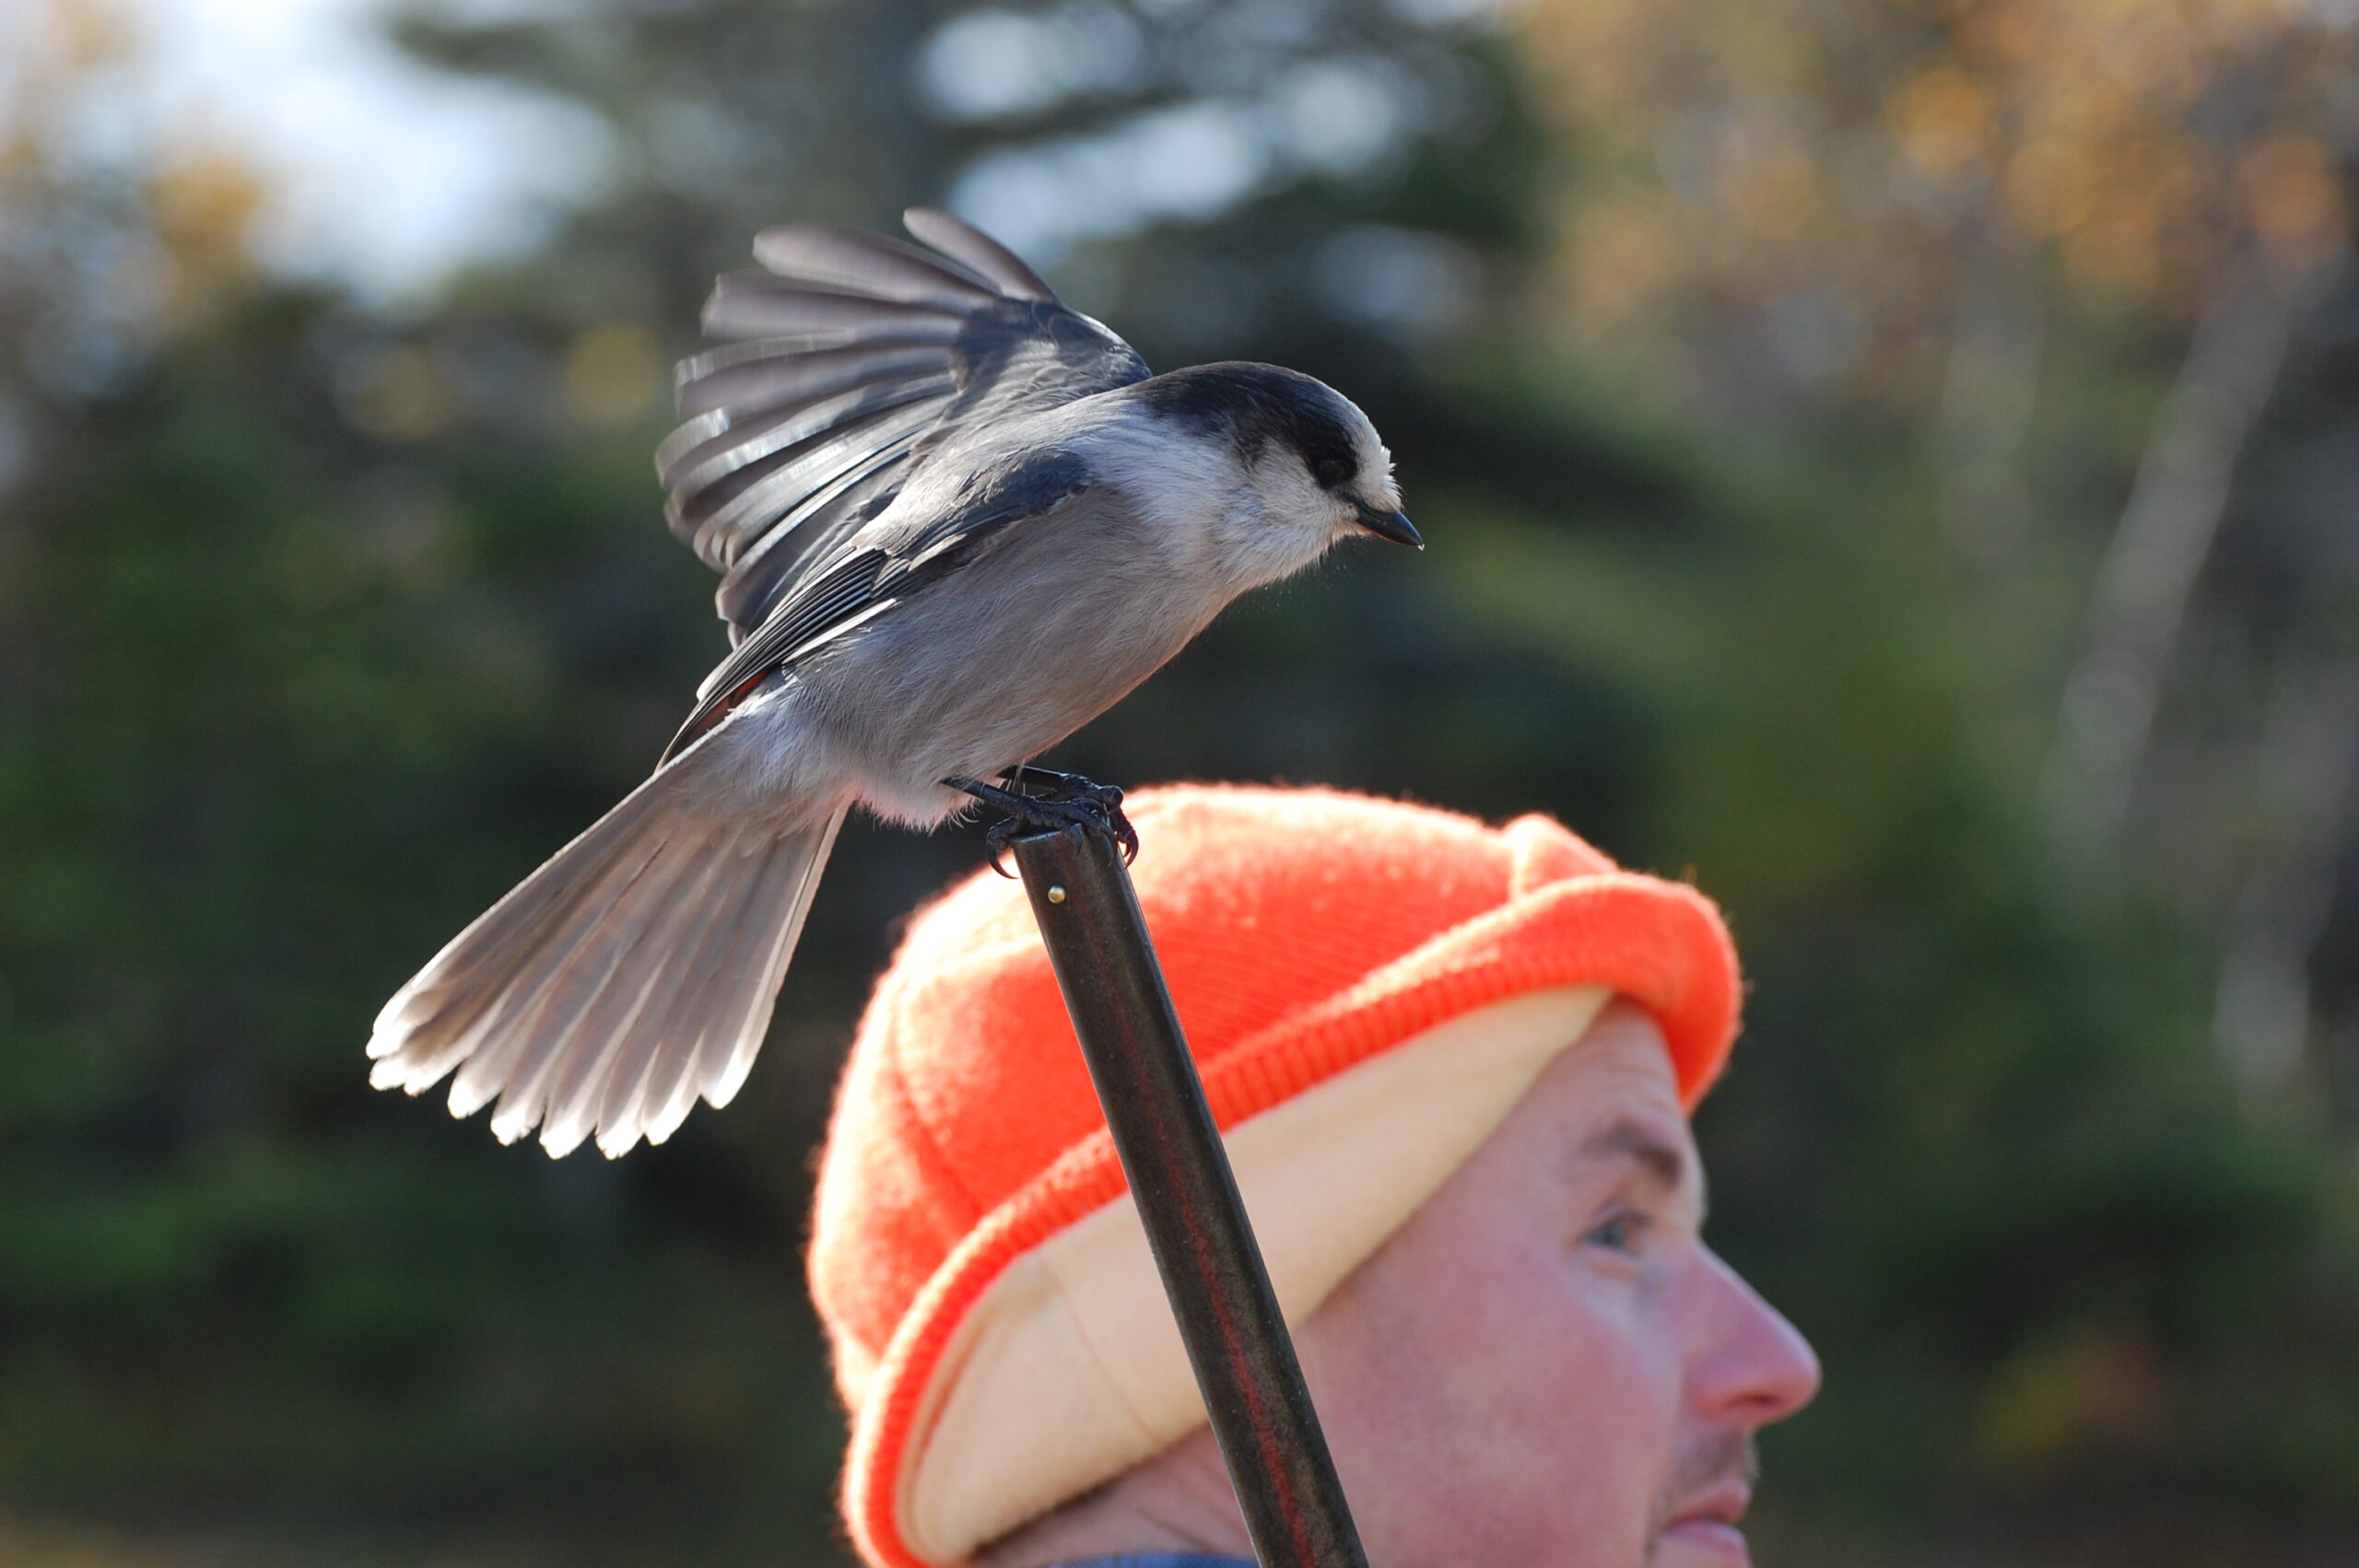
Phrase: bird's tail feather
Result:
[633,972]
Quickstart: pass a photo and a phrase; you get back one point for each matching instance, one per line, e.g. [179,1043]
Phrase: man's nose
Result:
[1752,1366]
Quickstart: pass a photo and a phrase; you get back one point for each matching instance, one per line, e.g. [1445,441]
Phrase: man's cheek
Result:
[1627,1377]
[1587,1445]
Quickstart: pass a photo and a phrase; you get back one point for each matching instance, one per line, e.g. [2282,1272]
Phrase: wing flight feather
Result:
[860,356]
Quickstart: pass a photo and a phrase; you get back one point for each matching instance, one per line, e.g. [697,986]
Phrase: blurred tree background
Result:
[1889,460]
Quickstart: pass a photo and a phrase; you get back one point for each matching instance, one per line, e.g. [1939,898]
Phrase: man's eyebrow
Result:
[1664,1160]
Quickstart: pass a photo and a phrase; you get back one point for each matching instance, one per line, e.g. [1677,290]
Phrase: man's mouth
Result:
[1706,1529]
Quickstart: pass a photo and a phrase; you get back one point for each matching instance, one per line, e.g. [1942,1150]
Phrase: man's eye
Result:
[1618,1233]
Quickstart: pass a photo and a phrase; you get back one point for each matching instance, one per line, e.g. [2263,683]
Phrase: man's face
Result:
[1546,1365]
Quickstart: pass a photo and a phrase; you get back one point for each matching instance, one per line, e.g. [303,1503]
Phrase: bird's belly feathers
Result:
[1048,635]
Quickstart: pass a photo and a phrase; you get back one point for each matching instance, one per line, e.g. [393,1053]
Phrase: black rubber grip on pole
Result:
[1187,1197]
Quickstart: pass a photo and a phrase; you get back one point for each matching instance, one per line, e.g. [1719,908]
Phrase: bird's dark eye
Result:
[1331,472]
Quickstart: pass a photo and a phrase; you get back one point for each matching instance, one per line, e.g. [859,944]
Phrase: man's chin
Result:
[1699,1543]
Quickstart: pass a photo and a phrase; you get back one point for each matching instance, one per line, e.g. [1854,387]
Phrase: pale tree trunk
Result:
[2149,570]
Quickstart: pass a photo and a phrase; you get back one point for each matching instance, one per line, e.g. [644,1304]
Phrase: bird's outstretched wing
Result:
[865,355]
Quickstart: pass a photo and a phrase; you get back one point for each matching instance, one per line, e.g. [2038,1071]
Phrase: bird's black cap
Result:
[1256,405]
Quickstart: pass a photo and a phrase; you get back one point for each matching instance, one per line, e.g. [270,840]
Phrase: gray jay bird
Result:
[957,520]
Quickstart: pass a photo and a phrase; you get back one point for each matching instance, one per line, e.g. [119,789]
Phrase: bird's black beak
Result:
[1391,525]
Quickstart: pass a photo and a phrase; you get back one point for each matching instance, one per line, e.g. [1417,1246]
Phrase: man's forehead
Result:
[1622,1063]
[1612,1099]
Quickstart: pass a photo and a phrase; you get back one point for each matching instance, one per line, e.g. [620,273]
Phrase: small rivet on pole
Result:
[1056,894]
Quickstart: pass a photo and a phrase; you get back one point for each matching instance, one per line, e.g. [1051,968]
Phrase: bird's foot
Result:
[1067,803]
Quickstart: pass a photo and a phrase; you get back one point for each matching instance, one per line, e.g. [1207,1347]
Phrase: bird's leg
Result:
[1101,802]
[1058,786]
[1068,804]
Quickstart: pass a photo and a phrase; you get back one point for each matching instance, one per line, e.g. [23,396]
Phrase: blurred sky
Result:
[1248,127]
[386,174]
[376,170]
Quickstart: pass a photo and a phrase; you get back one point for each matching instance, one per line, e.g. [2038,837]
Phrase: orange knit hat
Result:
[1303,933]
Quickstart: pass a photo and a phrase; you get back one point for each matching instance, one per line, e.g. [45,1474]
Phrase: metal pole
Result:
[1187,1197]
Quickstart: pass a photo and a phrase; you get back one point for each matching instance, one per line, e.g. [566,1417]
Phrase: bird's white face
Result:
[1332,497]
[1267,468]
[1371,488]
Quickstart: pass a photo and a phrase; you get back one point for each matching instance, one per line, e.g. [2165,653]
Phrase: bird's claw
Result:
[1068,803]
